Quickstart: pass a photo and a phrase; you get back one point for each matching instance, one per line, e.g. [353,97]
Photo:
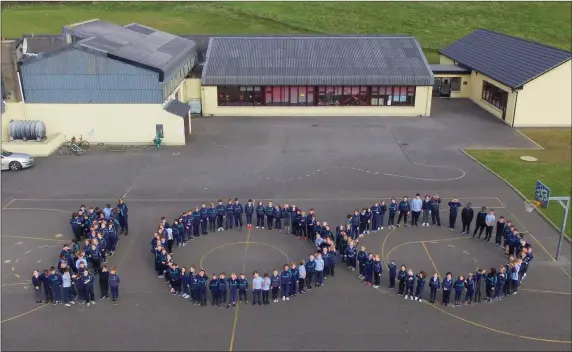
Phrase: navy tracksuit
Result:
[392,274]
[220,211]
[447,288]
[404,208]
[368,269]
[459,286]
[238,210]
[123,218]
[204,212]
[401,276]
[435,215]
[222,289]
[434,285]
[377,270]
[229,216]
[355,221]
[196,223]
[285,279]
[310,270]
[269,211]
[392,211]
[351,257]
[212,214]
[409,284]
[420,287]
[375,220]
[213,287]
[76,226]
[233,289]
[55,282]
[278,218]
[249,210]
[470,286]
[242,287]
[453,209]
[260,216]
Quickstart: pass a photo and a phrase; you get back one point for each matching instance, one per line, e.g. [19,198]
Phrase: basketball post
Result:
[543,197]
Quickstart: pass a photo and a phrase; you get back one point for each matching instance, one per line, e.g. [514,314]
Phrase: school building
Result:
[523,83]
[116,84]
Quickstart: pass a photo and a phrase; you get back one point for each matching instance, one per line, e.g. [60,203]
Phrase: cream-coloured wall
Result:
[546,101]
[108,123]
[192,89]
[444,60]
[465,88]
[476,93]
[422,107]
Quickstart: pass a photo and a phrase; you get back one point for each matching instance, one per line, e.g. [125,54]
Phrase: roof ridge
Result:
[522,39]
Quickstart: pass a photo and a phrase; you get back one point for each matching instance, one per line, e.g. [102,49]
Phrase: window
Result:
[289,96]
[455,84]
[239,96]
[494,96]
[392,96]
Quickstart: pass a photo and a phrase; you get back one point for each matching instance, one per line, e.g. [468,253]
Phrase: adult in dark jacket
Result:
[480,223]
[467,215]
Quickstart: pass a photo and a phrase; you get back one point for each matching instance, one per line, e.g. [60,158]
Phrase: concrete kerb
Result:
[546,218]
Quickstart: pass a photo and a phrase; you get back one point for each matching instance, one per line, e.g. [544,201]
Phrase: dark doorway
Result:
[442,87]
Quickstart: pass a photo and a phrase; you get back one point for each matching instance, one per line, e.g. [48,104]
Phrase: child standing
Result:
[266,289]
[409,284]
[302,277]
[233,288]
[420,286]
[222,289]
[426,206]
[501,282]
[295,275]
[275,284]
[434,285]
[368,269]
[470,286]
[55,285]
[514,278]
[319,269]
[454,206]
[114,285]
[500,231]
[104,283]
[362,258]
[67,287]
[310,269]
[392,267]
[257,282]
[377,270]
[459,287]
[491,281]
[213,287]
[285,278]
[37,283]
[447,288]
[480,284]
[87,281]
[401,276]
[242,287]
[392,212]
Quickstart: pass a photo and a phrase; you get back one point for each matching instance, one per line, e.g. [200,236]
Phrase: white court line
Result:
[531,140]
[9,203]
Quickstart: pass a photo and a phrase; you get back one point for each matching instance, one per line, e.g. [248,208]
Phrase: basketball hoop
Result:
[530,205]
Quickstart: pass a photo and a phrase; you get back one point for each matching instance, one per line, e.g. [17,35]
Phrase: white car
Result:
[16,161]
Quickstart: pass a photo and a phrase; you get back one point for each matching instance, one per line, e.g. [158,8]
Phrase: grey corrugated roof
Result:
[510,60]
[316,60]
[449,69]
[37,44]
[178,108]
[135,43]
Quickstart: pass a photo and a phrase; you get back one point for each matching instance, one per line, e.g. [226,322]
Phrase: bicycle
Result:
[71,146]
[82,143]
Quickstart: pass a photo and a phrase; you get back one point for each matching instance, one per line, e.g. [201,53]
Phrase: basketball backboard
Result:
[542,194]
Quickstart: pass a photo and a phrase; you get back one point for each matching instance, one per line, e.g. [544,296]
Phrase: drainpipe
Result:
[22,95]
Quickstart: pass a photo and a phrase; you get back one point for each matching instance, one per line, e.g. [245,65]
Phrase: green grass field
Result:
[435,24]
[552,168]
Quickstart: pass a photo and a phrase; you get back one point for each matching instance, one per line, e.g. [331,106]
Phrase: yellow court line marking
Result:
[235,321]
[9,203]
[430,258]
[18,283]
[35,238]
[496,330]
[44,209]
[23,314]
[242,242]
[544,291]
[384,257]
[425,241]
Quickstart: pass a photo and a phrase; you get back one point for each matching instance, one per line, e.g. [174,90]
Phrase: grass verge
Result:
[552,168]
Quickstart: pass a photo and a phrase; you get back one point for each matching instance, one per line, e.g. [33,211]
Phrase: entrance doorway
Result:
[442,87]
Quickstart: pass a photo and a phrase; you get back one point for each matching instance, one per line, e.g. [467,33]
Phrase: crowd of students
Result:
[97,234]
[197,285]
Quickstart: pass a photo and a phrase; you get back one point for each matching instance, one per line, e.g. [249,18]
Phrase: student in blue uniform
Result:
[392,268]
[467,215]
[204,212]
[393,207]
[220,212]
[269,212]
[454,206]
[222,289]
[229,214]
[285,279]
[490,283]
[310,270]
[368,270]
[401,276]
[470,287]
[375,224]
[420,279]
[294,276]
[260,211]
[123,217]
[480,283]
[55,281]
[404,209]
[104,282]
[212,214]
[319,269]
[213,287]
[459,287]
[249,210]
[275,284]
[447,286]
[500,230]
[409,284]
[238,211]
[361,258]
[416,208]
[480,223]
[500,284]
[435,214]
[114,282]
[202,288]
[197,222]
[434,285]
[278,217]
[287,218]
[377,271]
[265,289]
[76,225]
[37,285]
[350,255]
[382,211]
[87,283]
[242,288]
[355,222]
[426,208]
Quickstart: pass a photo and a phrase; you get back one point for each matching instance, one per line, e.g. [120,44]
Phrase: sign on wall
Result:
[195,105]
